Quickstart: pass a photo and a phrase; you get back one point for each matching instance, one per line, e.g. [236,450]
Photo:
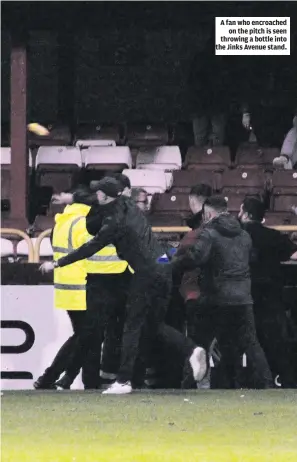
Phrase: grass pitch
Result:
[199,426]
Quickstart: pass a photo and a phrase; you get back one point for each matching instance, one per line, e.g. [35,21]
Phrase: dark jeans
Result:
[106,295]
[111,354]
[63,356]
[234,329]
[148,299]
[271,325]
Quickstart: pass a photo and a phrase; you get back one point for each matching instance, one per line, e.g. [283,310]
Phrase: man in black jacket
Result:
[126,227]
[222,251]
[270,248]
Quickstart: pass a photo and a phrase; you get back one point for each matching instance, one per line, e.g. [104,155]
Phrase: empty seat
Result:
[279,219]
[44,222]
[239,181]
[7,249]
[147,135]
[184,180]
[58,135]
[45,248]
[252,156]
[91,142]
[171,204]
[5,176]
[284,192]
[58,167]
[99,132]
[167,158]
[153,181]
[159,219]
[206,158]
[108,158]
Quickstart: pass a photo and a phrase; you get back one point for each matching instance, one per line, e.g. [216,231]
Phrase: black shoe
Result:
[64,383]
[43,384]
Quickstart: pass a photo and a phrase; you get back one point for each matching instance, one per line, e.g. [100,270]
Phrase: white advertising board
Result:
[34,331]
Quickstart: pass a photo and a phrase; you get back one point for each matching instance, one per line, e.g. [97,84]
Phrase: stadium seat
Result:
[147,135]
[153,181]
[107,158]
[167,158]
[240,180]
[253,156]
[99,132]
[216,158]
[279,219]
[184,180]
[158,219]
[58,167]
[46,250]
[284,192]
[59,135]
[7,248]
[43,222]
[176,206]
[5,176]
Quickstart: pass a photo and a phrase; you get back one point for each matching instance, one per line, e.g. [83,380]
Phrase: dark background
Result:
[116,61]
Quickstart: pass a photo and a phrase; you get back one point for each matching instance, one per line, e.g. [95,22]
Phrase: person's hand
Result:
[47,267]
[62,198]
[280,161]
[246,120]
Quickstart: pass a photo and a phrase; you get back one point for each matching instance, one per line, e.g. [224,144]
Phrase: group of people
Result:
[118,285]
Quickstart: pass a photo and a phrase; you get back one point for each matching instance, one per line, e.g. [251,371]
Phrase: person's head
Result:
[140,196]
[123,180]
[197,197]
[107,190]
[213,207]
[252,209]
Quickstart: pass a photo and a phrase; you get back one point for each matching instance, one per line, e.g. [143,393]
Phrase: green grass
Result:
[212,426]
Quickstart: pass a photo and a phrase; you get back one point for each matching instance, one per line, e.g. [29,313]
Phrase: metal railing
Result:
[34,251]
[24,236]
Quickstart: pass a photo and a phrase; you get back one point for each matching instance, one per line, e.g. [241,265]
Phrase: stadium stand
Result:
[59,135]
[45,252]
[99,159]
[170,208]
[284,192]
[184,180]
[252,156]
[206,158]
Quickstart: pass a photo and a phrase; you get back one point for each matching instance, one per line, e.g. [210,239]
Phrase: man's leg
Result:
[200,128]
[218,122]
[271,325]
[62,358]
[236,334]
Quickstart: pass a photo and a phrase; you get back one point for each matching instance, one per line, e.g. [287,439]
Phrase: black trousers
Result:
[234,328]
[111,354]
[67,350]
[271,325]
[106,296]
[147,303]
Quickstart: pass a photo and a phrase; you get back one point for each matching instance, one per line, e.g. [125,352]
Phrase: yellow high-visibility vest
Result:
[69,234]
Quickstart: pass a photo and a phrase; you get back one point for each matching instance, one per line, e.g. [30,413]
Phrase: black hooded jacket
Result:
[222,251]
[127,228]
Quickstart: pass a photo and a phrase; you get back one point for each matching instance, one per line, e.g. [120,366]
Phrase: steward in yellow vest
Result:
[69,234]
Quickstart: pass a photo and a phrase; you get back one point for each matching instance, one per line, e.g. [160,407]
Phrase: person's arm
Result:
[94,221]
[102,238]
[194,256]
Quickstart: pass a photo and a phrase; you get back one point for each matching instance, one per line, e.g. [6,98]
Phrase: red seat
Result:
[252,156]
[147,135]
[171,204]
[216,158]
[99,132]
[243,181]
[284,192]
[184,180]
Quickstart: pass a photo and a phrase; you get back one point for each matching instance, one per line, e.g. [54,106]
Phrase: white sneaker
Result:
[118,389]
[198,362]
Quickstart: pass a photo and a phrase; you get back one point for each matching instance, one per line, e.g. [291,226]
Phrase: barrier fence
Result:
[34,251]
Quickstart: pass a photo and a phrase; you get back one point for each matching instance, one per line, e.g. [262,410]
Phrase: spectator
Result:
[140,196]
[288,155]
[270,248]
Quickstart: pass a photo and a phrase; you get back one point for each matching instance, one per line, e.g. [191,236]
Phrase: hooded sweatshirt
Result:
[222,251]
[189,288]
